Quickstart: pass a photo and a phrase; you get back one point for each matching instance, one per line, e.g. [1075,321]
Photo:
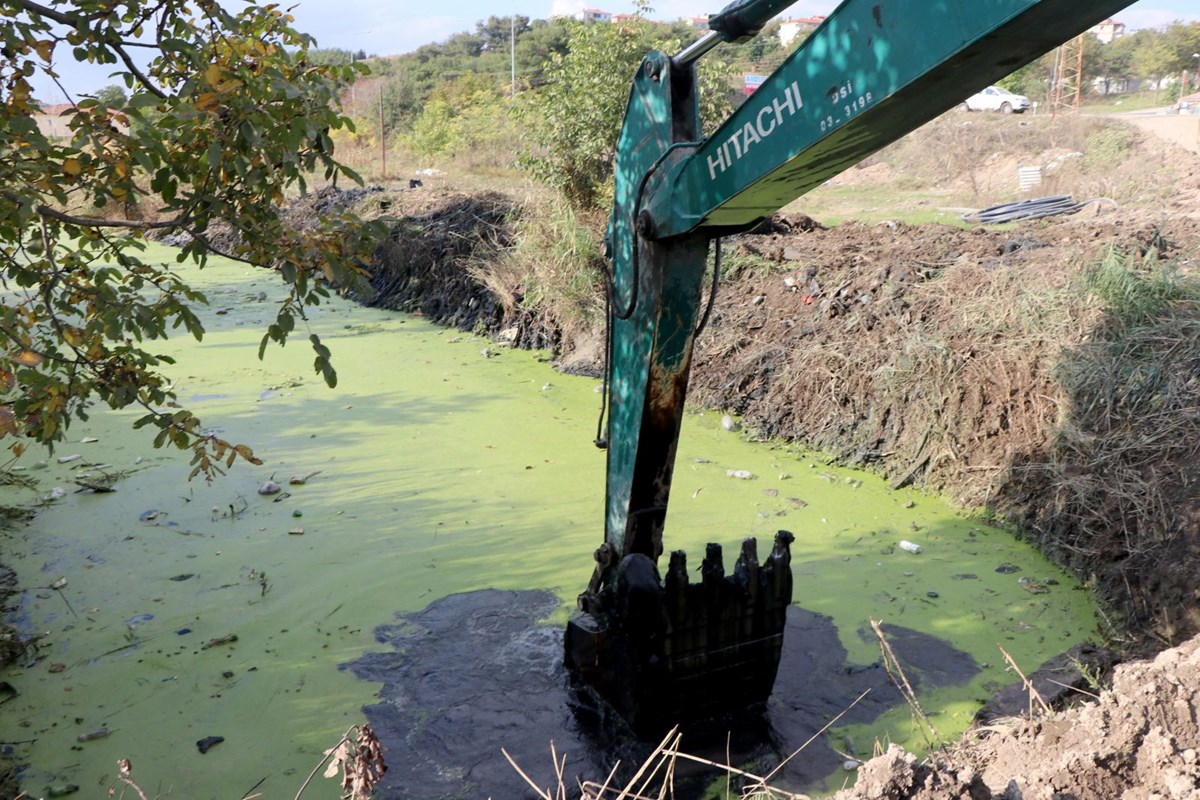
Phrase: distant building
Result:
[789,29]
[620,19]
[1109,30]
[700,23]
[51,122]
[593,15]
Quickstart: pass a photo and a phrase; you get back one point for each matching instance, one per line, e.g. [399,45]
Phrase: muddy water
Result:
[442,466]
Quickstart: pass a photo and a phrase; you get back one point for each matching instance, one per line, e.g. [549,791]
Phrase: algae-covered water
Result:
[439,465]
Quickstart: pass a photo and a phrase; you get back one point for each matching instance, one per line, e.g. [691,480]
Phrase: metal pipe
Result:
[696,49]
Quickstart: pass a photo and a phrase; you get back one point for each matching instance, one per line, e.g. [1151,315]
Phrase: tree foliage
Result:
[575,118]
[111,96]
[411,80]
[226,118]
[466,119]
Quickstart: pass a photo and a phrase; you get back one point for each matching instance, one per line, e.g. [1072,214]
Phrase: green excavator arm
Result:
[873,71]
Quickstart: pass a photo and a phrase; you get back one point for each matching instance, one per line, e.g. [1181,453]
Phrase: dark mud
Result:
[477,672]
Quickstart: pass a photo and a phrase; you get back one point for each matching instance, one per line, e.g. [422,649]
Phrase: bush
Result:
[1108,146]
[575,118]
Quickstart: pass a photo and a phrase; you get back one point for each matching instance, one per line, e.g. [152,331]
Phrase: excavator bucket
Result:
[662,652]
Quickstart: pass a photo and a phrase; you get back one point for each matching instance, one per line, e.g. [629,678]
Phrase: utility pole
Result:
[382,138]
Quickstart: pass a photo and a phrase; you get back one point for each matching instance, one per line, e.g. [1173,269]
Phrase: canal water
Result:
[449,505]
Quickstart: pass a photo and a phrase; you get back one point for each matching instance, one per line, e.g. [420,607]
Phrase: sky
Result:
[384,27]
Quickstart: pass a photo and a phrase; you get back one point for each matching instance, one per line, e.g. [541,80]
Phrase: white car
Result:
[993,98]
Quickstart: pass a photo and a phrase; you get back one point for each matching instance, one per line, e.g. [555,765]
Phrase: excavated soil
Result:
[1139,740]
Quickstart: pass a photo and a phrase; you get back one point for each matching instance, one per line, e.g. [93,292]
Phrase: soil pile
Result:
[1140,740]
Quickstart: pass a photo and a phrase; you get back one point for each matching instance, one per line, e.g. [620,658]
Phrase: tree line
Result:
[1149,58]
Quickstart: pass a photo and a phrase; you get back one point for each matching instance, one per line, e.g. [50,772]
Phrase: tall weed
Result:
[1137,289]
[553,271]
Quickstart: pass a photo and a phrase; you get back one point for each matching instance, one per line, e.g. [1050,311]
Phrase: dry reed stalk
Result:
[910,696]
[663,760]
[1034,695]
[602,788]
[544,794]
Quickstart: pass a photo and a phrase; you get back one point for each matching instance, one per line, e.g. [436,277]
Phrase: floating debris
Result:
[911,547]
[230,639]
[58,584]
[183,576]
[296,531]
[69,459]
[729,423]
[61,789]
[299,480]
[740,474]
[208,743]
[269,488]
[90,736]
[57,666]
[88,440]
[149,515]
[1007,569]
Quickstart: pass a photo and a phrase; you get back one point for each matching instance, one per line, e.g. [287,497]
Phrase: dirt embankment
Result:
[1138,740]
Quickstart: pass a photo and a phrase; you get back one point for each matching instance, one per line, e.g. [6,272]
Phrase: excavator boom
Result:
[873,71]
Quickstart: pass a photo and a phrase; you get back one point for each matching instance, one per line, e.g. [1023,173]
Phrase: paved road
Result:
[1182,129]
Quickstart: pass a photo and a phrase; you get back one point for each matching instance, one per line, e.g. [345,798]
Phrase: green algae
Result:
[443,465]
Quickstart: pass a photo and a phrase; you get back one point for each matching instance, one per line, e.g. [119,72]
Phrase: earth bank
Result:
[1138,740]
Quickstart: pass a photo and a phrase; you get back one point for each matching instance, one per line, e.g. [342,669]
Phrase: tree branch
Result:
[46,11]
[96,222]
[117,47]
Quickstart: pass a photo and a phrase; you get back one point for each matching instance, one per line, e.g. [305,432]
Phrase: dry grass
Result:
[552,271]
[972,158]
[655,778]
